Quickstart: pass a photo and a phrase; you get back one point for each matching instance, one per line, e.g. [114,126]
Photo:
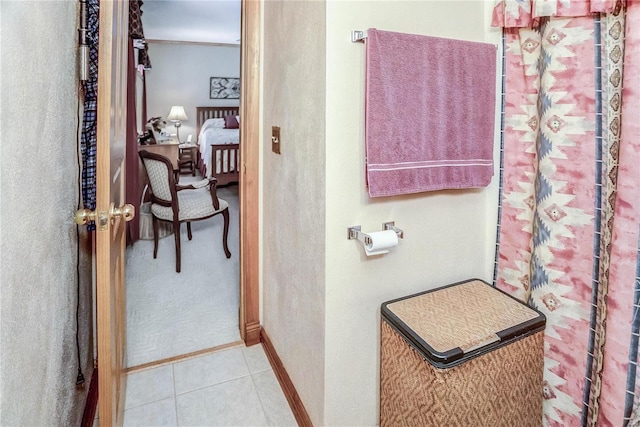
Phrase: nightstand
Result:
[188,158]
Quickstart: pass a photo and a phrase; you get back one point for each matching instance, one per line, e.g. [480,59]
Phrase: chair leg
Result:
[155,237]
[176,232]
[189,230]
[225,215]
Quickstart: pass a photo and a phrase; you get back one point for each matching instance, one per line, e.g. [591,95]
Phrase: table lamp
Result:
[177,115]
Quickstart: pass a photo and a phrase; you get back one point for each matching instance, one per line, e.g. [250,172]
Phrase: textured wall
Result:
[38,196]
[180,76]
[294,193]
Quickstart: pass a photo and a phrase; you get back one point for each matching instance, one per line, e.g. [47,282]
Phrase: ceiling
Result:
[211,21]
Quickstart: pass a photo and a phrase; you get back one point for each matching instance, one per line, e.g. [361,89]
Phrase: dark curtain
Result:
[88,147]
[132,190]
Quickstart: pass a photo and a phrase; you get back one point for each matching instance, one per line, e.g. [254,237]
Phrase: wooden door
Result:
[110,223]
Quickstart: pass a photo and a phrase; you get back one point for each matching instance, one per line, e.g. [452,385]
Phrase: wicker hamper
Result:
[146,221]
[466,354]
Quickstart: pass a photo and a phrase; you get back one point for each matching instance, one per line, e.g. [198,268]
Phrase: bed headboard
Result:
[205,113]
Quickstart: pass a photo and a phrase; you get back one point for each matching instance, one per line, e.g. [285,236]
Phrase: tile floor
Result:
[231,387]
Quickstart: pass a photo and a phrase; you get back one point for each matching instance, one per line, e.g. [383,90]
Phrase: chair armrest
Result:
[214,192]
[201,183]
[193,185]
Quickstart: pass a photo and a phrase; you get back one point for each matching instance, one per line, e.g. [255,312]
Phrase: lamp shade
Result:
[177,114]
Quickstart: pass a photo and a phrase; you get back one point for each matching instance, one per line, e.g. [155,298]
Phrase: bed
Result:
[219,146]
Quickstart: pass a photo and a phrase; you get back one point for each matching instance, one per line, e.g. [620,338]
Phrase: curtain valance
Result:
[527,13]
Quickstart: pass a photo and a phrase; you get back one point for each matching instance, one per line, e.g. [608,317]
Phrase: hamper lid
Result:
[460,321]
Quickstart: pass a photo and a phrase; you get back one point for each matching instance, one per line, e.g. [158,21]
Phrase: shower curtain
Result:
[569,214]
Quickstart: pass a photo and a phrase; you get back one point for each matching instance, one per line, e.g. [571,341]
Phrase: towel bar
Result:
[358,36]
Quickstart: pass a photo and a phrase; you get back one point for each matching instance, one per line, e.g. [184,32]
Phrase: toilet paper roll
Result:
[381,242]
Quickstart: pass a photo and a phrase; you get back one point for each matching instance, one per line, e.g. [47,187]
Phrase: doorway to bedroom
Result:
[169,314]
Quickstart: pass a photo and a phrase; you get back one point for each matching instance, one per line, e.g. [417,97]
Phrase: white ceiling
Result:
[212,21]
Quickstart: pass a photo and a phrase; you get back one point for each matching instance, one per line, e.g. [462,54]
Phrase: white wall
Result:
[446,237]
[180,76]
[38,164]
[449,235]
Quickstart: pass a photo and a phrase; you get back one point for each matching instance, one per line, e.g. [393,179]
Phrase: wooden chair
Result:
[181,203]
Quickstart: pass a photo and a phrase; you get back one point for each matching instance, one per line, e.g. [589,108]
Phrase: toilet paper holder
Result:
[355,232]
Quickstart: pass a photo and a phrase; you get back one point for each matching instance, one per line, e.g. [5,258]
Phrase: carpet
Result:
[169,313]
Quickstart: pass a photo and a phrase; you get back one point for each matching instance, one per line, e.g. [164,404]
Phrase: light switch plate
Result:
[275,139]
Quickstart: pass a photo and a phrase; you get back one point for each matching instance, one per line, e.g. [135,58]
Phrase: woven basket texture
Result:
[502,388]
[146,224]
[462,316]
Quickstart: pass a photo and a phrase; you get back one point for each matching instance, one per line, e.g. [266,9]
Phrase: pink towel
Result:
[430,106]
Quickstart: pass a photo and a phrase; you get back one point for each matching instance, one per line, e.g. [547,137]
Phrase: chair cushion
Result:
[193,204]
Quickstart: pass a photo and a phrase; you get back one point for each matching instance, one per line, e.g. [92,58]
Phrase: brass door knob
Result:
[84,216]
[126,212]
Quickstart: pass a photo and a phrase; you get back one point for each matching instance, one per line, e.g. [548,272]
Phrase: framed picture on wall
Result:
[224,88]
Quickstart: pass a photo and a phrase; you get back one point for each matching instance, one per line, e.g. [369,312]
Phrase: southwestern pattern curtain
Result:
[569,227]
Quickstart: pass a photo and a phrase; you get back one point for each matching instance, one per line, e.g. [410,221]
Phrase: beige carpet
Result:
[169,313]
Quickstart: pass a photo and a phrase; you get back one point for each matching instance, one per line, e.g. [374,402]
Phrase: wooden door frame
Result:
[251,28]
[249,190]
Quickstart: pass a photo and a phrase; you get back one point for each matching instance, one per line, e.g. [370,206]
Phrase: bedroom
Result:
[183,62]
[200,68]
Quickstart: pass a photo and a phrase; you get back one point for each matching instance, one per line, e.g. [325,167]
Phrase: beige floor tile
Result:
[161,413]
[275,405]
[149,386]
[232,403]
[210,369]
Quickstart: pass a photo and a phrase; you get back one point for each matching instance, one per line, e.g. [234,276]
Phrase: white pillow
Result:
[212,123]
[238,119]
